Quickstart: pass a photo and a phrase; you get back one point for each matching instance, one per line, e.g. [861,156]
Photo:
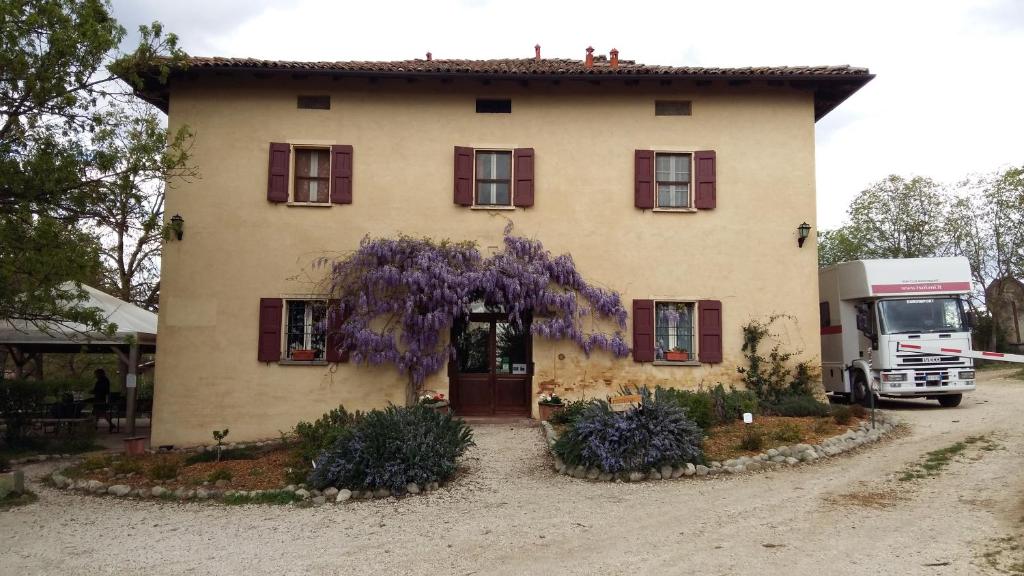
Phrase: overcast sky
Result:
[946,102]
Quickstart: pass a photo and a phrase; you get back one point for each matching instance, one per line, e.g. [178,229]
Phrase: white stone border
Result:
[770,459]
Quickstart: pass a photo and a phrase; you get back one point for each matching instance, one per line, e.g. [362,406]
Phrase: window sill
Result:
[302,362]
[309,204]
[668,363]
[485,207]
[682,210]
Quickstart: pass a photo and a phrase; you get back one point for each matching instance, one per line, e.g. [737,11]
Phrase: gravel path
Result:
[510,514]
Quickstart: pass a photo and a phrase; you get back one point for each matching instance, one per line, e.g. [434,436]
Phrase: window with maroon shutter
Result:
[704,168]
[644,171]
[709,323]
[463,176]
[341,174]
[643,330]
[312,175]
[523,173]
[271,310]
[280,163]
[335,318]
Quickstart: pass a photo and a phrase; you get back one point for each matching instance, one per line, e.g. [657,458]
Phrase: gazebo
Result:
[135,335]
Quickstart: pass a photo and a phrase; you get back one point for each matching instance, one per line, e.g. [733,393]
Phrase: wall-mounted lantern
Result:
[803,231]
[177,226]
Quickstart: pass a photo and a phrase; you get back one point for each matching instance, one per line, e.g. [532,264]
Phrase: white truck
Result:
[897,327]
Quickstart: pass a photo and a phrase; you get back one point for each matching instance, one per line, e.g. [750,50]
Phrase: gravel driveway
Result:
[510,514]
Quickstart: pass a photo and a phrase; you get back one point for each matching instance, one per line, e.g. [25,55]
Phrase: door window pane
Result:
[472,347]
[510,349]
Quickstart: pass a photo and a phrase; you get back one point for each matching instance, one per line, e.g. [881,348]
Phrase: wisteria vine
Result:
[395,298]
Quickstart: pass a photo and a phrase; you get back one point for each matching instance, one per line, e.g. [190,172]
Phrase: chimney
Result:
[536,50]
[429,56]
[590,57]
[615,59]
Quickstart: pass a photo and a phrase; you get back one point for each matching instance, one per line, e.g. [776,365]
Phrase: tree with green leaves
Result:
[63,129]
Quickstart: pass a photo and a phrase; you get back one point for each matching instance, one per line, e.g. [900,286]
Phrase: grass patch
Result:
[14,500]
[937,460]
[1005,555]
[272,497]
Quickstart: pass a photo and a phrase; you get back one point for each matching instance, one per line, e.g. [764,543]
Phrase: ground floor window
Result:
[305,338]
[674,327]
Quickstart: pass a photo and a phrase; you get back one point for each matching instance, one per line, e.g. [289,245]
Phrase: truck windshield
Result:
[921,315]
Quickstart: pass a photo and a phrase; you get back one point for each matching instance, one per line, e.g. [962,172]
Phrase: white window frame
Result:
[294,174]
[307,335]
[689,188]
[511,180]
[694,359]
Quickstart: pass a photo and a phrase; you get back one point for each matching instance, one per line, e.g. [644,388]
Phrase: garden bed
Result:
[725,441]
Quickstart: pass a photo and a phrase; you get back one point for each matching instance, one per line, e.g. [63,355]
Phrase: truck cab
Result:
[881,304]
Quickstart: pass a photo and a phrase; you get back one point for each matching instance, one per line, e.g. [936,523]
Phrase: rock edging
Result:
[770,459]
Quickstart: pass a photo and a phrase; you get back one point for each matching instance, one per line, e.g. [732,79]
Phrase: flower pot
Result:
[549,410]
[303,355]
[676,356]
[135,446]
[440,407]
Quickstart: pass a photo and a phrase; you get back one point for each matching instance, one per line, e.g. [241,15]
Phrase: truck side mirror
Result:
[863,324]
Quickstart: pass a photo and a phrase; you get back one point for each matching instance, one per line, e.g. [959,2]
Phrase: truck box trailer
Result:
[877,316]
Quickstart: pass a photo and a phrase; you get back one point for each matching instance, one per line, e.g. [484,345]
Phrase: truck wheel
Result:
[951,400]
[860,389]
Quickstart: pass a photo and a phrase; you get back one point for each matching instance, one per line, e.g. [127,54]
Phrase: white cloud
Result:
[944,104]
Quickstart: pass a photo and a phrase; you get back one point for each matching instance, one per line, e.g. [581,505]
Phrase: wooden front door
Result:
[492,372]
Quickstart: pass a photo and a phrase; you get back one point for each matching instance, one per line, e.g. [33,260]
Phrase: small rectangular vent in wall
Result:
[315,102]
[493,106]
[671,107]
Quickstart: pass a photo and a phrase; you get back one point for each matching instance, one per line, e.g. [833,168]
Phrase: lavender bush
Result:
[397,298]
[392,448]
[650,436]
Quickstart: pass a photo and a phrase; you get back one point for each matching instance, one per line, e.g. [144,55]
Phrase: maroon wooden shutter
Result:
[644,192]
[643,330]
[271,310]
[523,193]
[463,176]
[704,178]
[280,164]
[341,174]
[709,318]
[335,319]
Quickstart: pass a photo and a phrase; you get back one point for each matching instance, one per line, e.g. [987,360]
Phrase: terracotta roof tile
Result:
[522,67]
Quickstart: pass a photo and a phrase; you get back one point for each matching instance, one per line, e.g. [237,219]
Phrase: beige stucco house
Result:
[680,188]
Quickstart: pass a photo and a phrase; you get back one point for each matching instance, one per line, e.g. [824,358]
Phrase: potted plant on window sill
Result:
[677,355]
[302,355]
[549,405]
[435,401]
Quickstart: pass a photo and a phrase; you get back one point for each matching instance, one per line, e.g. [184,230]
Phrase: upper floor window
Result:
[493,106]
[493,177]
[674,327]
[671,107]
[672,172]
[305,337]
[312,175]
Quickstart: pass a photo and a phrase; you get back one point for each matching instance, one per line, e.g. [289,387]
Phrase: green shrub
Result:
[127,465]
[318,436]
[571,412]
[842,415]
[165,469]
[858,411]
[752,439]
[392,448]
[788,433]
[698,405]
[20,401]
[796,406]
[651,435]
[93,463]
[210,455]
[730,405]
[221,474]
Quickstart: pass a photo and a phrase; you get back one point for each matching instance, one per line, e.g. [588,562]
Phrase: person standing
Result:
[101,398]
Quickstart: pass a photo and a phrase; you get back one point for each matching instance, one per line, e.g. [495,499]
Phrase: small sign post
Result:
[624,403]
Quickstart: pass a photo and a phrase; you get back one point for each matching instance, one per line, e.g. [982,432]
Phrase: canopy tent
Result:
[135,334]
